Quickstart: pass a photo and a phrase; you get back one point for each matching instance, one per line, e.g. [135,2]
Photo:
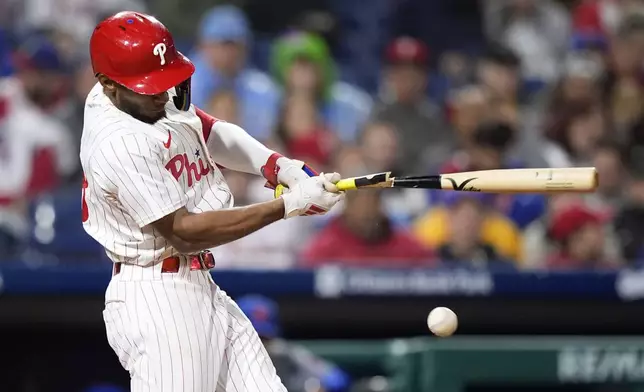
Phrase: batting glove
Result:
[290,172]
[280,170]
[310,196]
[293,171]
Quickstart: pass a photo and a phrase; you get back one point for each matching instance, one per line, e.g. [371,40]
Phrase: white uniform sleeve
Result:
[233,148]
[132,167]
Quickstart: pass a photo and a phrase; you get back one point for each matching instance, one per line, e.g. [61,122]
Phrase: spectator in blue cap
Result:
[42,154]
[42,71]
[295,365]
[224,39]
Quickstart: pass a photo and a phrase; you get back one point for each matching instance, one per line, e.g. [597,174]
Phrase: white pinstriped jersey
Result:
[137,173]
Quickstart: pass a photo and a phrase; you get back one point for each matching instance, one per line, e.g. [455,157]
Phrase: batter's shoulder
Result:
[122,136]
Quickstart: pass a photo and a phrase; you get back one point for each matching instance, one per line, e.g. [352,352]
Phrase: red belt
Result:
[202,261]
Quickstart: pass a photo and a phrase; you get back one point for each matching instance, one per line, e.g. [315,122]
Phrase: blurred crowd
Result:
[552,84]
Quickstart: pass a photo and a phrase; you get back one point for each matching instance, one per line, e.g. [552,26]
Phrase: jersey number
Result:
[84,208]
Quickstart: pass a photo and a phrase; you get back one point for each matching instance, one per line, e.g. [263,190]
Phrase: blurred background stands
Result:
[410,86]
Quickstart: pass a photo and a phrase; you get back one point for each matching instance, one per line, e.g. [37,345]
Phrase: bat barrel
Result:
[523,180]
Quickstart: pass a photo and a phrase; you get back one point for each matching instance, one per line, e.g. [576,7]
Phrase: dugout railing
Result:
[458,364]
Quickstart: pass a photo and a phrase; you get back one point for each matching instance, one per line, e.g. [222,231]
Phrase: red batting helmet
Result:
[137,51]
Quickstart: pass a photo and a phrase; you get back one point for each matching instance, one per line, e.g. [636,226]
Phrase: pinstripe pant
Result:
[178,332]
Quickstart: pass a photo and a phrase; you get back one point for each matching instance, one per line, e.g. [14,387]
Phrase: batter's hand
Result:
[310,196]
[293,171]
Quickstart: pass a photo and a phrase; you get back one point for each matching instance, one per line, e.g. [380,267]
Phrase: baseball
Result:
[442,321]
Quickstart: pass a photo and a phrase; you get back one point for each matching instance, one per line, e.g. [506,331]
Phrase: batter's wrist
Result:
[290,203]
[271,169]
[282,206]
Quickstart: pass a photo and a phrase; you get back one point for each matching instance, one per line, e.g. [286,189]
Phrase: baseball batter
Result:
[155,198]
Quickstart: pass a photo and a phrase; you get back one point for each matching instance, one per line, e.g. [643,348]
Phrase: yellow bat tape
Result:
[378,180]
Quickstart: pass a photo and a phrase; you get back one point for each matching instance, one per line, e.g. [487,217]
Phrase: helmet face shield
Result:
[182,100]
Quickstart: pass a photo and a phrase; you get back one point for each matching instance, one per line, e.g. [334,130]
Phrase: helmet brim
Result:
[174,73]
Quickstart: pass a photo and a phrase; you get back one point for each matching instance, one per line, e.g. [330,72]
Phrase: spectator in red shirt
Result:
[363,236]
[579,235]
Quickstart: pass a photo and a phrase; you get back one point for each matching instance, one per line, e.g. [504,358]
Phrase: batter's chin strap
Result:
[182,99]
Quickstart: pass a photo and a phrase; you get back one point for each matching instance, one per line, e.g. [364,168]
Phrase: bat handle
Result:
[279,189]
[344,185]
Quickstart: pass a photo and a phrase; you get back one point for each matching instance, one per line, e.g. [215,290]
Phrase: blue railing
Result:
[20,279]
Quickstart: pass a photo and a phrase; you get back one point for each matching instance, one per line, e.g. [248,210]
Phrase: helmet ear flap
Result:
[182,99]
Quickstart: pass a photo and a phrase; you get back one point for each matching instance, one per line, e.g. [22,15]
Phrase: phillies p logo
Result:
[159,50]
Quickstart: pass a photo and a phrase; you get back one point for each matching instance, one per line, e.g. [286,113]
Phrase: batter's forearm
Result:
[213,228]
[236,150]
